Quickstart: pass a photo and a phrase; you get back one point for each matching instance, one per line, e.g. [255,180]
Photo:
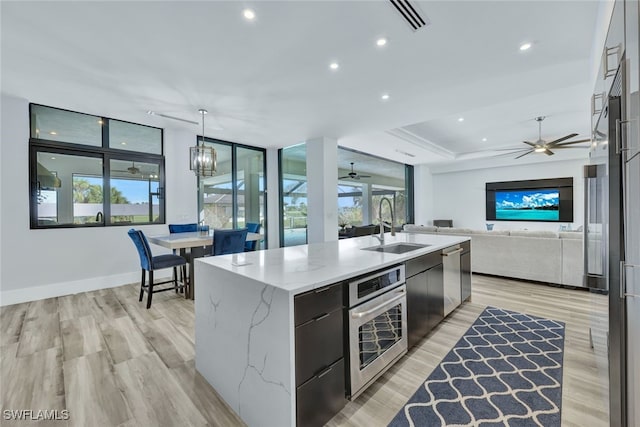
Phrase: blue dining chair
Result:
[250,245]
[183,228]
[228,241]
[150,263]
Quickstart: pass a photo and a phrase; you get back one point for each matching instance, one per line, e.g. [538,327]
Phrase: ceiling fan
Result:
[541,146]
[133,170]
[353,175]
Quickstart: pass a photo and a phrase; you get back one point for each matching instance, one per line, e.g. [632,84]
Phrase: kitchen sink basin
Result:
[396,248]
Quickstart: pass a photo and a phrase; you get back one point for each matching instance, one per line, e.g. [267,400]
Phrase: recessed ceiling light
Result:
[525,46]
[461,119]
[334,65]
[151,113]
[385,97]
[484,139]
[53,158]
[381,41]
[53,132]
[249,14]
[123,143]
[100,122]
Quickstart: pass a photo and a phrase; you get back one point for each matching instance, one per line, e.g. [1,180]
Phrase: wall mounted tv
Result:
[546,200]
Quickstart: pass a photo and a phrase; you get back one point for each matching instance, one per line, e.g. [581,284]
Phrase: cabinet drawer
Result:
[422,263]
[319,343]
[322,397]
[317,302]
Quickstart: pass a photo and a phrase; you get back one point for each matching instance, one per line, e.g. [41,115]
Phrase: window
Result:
[293,195]
[359,198]
[87,185]
[235,195]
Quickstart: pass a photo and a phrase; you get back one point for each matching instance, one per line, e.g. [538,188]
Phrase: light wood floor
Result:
[111,362]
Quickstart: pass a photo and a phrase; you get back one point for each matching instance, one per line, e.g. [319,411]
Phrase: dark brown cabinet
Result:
[319,355]
[425,295]
[465,271]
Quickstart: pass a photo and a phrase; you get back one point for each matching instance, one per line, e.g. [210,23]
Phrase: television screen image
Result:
[528,205]
[543,200]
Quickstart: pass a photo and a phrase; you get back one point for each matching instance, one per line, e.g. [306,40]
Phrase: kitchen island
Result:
[247,324]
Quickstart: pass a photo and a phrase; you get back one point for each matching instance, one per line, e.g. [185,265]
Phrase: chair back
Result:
[366,230]
[252,227]
[142,245]
[182,228]
[228,241]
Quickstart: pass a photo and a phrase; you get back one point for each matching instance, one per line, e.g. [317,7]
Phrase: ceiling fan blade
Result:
[548,152]
[522,155]
[344,177]
[564,138]
[364,176]
[530,143]
[580,141]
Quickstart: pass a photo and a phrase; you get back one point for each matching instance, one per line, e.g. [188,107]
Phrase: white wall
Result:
[38,264]
[423,194]
[460,195]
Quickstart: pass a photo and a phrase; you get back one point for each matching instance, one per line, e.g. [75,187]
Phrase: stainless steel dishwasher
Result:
[452,278]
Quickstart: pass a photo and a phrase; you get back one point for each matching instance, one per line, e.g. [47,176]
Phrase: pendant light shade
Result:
[203,158]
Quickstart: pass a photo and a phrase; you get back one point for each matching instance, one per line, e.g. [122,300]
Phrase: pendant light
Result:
[203,158]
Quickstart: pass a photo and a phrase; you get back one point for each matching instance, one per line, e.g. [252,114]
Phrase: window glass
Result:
[65,126]
[359,195]
[134,137]
[250,185]
[216,192]
[293,164]
[134,192]
[68,189]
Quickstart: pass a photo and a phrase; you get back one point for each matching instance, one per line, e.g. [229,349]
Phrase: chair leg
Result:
[175,279]
[150,291]
[183,278]
[142,286]
[185,283]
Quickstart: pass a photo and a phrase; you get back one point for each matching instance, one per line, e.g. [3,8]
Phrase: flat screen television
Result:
[545,200]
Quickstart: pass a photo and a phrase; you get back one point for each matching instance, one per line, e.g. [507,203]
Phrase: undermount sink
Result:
[396,248]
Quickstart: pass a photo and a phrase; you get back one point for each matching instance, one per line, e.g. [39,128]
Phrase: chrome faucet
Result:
[382,223]
[99,217]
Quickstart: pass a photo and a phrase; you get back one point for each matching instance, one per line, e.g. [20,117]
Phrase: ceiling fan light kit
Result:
[541,146]
[203,158]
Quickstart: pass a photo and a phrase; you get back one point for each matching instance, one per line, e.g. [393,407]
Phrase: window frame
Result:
[106,154]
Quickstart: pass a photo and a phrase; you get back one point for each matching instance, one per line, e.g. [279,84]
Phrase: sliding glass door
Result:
[234,195]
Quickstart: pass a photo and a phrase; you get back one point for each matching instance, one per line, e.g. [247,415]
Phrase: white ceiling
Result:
[267,83]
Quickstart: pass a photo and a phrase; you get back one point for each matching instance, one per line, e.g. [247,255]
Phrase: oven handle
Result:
[360,314]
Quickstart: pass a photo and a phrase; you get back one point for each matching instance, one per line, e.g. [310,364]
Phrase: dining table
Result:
[198,242]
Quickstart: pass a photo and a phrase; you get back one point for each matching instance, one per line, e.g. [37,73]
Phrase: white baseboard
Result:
[34,293]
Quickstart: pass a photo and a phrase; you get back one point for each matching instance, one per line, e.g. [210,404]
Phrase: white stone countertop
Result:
[298,269]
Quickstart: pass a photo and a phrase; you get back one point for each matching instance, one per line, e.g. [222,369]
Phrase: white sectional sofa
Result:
[543,256]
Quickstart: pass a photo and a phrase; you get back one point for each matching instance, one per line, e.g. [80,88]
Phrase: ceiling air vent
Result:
[410,14]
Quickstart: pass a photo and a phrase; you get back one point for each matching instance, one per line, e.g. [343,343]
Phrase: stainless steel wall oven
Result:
[377,325]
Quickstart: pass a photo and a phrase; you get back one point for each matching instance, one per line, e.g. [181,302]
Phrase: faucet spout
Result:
[382,223]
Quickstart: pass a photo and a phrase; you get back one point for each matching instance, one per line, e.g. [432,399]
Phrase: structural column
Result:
[322,190]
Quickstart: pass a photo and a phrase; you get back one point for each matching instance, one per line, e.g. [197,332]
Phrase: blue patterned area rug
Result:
[505,371]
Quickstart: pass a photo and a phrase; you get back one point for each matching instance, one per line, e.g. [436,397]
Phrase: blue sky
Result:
[526,198]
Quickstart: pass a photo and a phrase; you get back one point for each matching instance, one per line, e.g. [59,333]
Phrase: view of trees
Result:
[85,192]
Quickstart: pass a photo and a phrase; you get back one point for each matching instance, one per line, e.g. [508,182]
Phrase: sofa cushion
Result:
[534,233]
[450,230]
[492,232]
[571,235]
[412,228]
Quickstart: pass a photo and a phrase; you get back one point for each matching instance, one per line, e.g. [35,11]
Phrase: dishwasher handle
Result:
[457,251]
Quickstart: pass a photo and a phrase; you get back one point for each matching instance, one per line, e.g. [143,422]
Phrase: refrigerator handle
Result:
[623,280]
